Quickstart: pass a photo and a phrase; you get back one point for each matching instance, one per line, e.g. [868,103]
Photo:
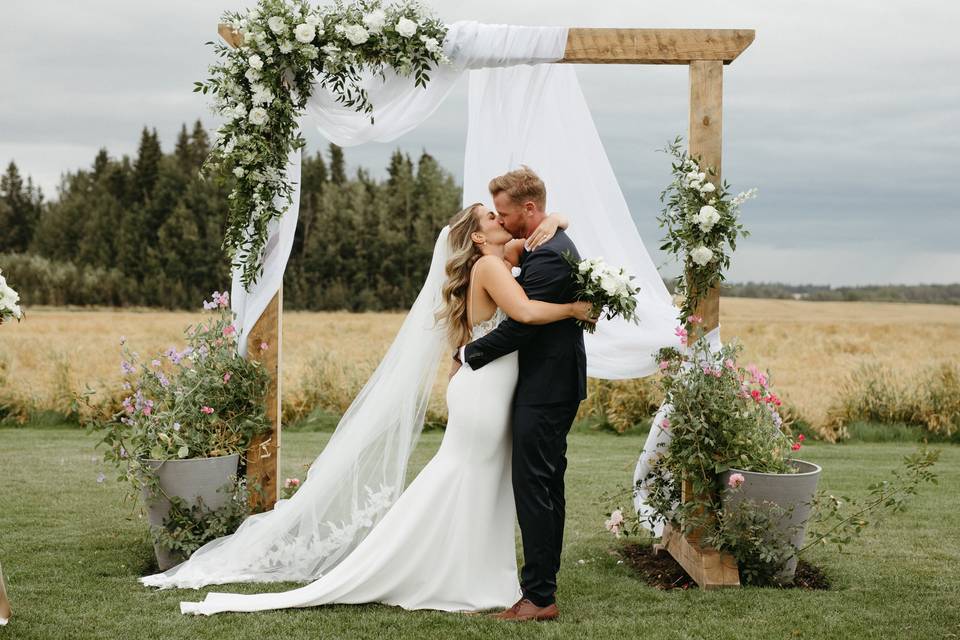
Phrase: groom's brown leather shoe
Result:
[525,610]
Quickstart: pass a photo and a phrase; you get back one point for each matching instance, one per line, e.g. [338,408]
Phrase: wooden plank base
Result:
[708,567]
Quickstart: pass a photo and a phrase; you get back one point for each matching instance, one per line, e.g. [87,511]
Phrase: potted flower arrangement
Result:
[731,449]
[187,418]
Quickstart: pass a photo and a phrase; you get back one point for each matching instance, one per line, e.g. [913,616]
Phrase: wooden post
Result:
[708,567]
[263,456]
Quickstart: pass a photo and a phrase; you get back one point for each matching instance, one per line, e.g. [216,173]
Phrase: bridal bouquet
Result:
[9,299]
[607,289]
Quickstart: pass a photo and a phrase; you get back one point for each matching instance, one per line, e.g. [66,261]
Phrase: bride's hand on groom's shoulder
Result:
[546,230]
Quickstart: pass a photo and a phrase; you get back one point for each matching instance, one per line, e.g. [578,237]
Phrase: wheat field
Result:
[809,347]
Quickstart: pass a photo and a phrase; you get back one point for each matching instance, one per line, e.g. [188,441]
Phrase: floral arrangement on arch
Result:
[9,301]
[261,87]
[701,221]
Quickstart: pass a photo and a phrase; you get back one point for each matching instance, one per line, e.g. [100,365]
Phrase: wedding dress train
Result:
[448,541]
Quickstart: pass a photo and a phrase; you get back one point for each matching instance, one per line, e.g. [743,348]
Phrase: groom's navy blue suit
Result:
[552,382]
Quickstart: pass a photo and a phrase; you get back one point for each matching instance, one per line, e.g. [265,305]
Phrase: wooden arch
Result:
[705,52]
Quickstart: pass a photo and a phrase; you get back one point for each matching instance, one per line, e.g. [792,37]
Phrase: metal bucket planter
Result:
[792,492]
[186,479]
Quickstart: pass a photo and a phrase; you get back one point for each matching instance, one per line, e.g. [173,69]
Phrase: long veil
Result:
[354,480]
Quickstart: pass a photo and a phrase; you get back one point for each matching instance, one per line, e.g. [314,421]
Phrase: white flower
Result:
[701,255]
[239,111]
[258,116]
[277,25]
[356,34]
[614,524]
[255,62]
[584,266]
[252,75]
[262,95]
[313,20]
[309,51]
[239,172]
[609,284]
[286,46]
[330,49]
[431,44]
[707,188]
[406,28]
[375,20]
[707,217]
[305,33]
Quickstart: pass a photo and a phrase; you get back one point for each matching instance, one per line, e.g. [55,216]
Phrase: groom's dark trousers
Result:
[552,382]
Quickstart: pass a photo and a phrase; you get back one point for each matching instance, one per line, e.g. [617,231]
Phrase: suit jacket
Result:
[553,362]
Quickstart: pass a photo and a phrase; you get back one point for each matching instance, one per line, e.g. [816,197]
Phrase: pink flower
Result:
[615,523]
[229,330]
[754,371]
[801,438]
[290,483]
[694,319]
[795,446]
[755,394]
[729,364]
[264,346]
[681,333]
[148,409]
[226,377]
[735,480]
[762,379]
[207,410]
[665,423]
[664,365]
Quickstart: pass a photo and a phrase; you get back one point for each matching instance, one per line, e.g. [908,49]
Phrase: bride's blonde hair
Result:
[464,253]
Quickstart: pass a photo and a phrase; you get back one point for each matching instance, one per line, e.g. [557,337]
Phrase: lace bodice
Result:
[481,329]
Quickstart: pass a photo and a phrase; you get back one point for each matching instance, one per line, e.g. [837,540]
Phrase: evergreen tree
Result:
[338,168]
[20,211]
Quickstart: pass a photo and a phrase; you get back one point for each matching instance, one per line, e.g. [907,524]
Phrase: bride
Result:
[447,543]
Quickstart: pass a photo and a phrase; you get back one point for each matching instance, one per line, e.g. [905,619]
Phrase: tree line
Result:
[148,230]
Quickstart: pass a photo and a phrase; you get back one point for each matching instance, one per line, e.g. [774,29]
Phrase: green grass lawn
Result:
[72,552]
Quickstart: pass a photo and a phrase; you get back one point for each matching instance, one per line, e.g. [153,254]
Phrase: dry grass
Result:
[810,347]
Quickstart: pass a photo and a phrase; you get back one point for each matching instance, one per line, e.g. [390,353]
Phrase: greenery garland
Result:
[261,87]
[701,220]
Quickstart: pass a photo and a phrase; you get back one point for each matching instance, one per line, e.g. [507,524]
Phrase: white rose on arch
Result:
[277,25]
[431,44]
[375,20]
[305,33]
[356,34]
[255,62]
[707,217]
[258,116]
[701,255]
[708,188]
[406,27]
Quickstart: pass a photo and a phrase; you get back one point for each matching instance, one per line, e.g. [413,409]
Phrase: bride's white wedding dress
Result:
[448,541]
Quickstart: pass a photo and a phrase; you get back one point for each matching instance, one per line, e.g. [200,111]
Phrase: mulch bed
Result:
[663,572]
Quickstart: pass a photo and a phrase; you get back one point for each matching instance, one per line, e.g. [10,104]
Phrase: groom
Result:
[552,382]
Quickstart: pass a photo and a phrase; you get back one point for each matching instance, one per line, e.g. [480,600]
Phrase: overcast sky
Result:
[844,114]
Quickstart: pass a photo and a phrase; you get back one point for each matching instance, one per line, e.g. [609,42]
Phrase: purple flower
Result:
[126,367]
[164,382]
[101,478]
[155,363]
[123,452]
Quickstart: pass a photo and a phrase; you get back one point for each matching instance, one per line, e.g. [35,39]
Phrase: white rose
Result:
[258,116]
[330,49]
[356,34]
[252,75]
[707,188]
[305,33]
[239,111]
[277,25]
[431,44]
[262,95]
[286,46]
[701,255]
[609,284]
[309,51]
[239,172]
[255,62]
[313,20]
[707,217]
[584,266]
[375,20]
[406,28]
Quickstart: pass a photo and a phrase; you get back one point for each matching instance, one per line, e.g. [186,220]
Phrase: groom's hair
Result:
[521,185]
